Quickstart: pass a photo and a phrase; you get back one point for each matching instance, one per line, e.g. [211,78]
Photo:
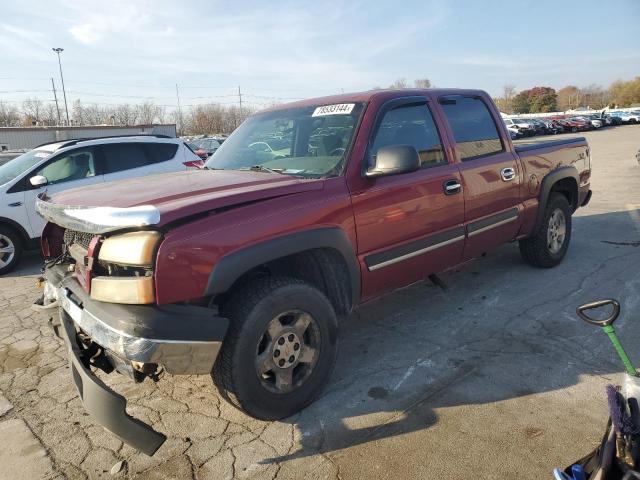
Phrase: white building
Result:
[28,137]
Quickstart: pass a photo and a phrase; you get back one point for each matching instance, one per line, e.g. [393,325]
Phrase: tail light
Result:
[194,164]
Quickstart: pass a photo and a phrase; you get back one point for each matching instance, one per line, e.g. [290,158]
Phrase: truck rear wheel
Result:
[549,244]
[280,348]
[10,249]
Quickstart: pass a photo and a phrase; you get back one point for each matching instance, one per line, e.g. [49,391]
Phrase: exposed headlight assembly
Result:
[132,253]
[129,290]
[135,248]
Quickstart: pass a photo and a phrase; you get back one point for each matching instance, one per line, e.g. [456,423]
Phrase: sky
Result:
[130,51]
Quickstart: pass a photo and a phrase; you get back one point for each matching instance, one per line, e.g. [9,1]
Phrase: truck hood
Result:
[178,195]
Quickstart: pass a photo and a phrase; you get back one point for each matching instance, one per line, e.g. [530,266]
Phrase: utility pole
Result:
[179,110]
[240,97]
[64,93]
[53,85]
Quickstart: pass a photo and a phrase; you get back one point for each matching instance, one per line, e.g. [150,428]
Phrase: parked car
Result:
[514,132]
[629,117]
[204,147]
[615,119]
[241,269]
[538,126]
[596,120]
[525,128]
[552,127]
[55,167]
[575,124]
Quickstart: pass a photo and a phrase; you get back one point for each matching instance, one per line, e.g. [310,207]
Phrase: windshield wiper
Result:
[262,168]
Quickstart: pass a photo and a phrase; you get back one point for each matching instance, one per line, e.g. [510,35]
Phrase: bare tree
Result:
[505,102]
[148,112]
[77,113]
[126,115]
[399,83]
[50,114]
[422,83]
[33,108]
[9,115]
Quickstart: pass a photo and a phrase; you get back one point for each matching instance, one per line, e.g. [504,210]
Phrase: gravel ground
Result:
[492,378]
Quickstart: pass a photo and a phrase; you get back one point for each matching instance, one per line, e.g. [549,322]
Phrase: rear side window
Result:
[411,125]
[160,152]
[123,156]
[474,129]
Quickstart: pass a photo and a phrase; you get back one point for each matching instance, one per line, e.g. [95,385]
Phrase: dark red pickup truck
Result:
[308,209]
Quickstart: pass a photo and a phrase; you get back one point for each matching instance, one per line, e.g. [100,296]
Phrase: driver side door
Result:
[70,169]
[408,225]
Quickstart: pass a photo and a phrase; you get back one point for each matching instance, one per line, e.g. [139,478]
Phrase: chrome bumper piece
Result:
[190,357]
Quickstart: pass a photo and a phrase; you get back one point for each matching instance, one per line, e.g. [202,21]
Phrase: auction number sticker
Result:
[337,109]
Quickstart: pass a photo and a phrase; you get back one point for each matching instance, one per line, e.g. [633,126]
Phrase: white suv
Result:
[69,164]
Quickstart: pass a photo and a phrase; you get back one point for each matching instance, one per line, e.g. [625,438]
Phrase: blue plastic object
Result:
[578,472]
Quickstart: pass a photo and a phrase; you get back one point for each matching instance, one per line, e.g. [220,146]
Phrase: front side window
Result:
[411,125]
[474,129]
[305,141]
[74,165]
[123,156]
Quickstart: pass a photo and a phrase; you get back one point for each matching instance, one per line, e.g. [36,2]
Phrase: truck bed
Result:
[531,144]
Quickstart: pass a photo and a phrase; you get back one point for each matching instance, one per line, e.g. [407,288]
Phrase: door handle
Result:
[508,174]
[451,187]
[15,204]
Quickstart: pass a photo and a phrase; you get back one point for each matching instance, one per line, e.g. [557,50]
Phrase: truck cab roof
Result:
[369,95]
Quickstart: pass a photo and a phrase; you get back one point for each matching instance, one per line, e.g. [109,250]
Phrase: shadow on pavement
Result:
[30,264]
[502,330]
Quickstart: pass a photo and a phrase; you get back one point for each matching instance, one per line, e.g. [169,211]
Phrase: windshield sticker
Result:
[41,154]
[338,109]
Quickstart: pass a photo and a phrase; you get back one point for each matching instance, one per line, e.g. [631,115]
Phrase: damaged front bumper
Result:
[183,339]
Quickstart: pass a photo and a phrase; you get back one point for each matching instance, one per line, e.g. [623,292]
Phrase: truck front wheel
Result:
[280,348]
[548,245]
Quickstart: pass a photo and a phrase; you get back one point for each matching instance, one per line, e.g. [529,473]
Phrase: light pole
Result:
[64,93]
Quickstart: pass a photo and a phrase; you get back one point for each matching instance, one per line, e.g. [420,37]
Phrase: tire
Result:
[541,250]
[252,345]
[10,249]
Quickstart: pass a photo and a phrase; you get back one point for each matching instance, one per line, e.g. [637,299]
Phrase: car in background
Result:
[54,167]
[615,119]
[538,126]
[525,129]
[626,117]
[580,123]
[514,132]
[596,120]
[204,147]
[553,127]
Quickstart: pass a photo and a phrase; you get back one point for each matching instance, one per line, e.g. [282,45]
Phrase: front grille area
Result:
[81,238]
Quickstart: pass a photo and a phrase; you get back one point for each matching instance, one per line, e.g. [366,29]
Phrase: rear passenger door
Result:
[136,159]
[491,175]
[408,225]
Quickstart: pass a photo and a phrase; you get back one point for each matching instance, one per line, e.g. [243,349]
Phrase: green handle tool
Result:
[607,327]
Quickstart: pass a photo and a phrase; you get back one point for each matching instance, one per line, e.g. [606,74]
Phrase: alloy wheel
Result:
[556,231]
[7,250]
[288,351]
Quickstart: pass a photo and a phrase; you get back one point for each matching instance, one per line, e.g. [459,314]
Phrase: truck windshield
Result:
[305,141]
[21,164]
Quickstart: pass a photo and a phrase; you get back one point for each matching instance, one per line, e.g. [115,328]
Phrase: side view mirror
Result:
[38,181]
[394,160]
